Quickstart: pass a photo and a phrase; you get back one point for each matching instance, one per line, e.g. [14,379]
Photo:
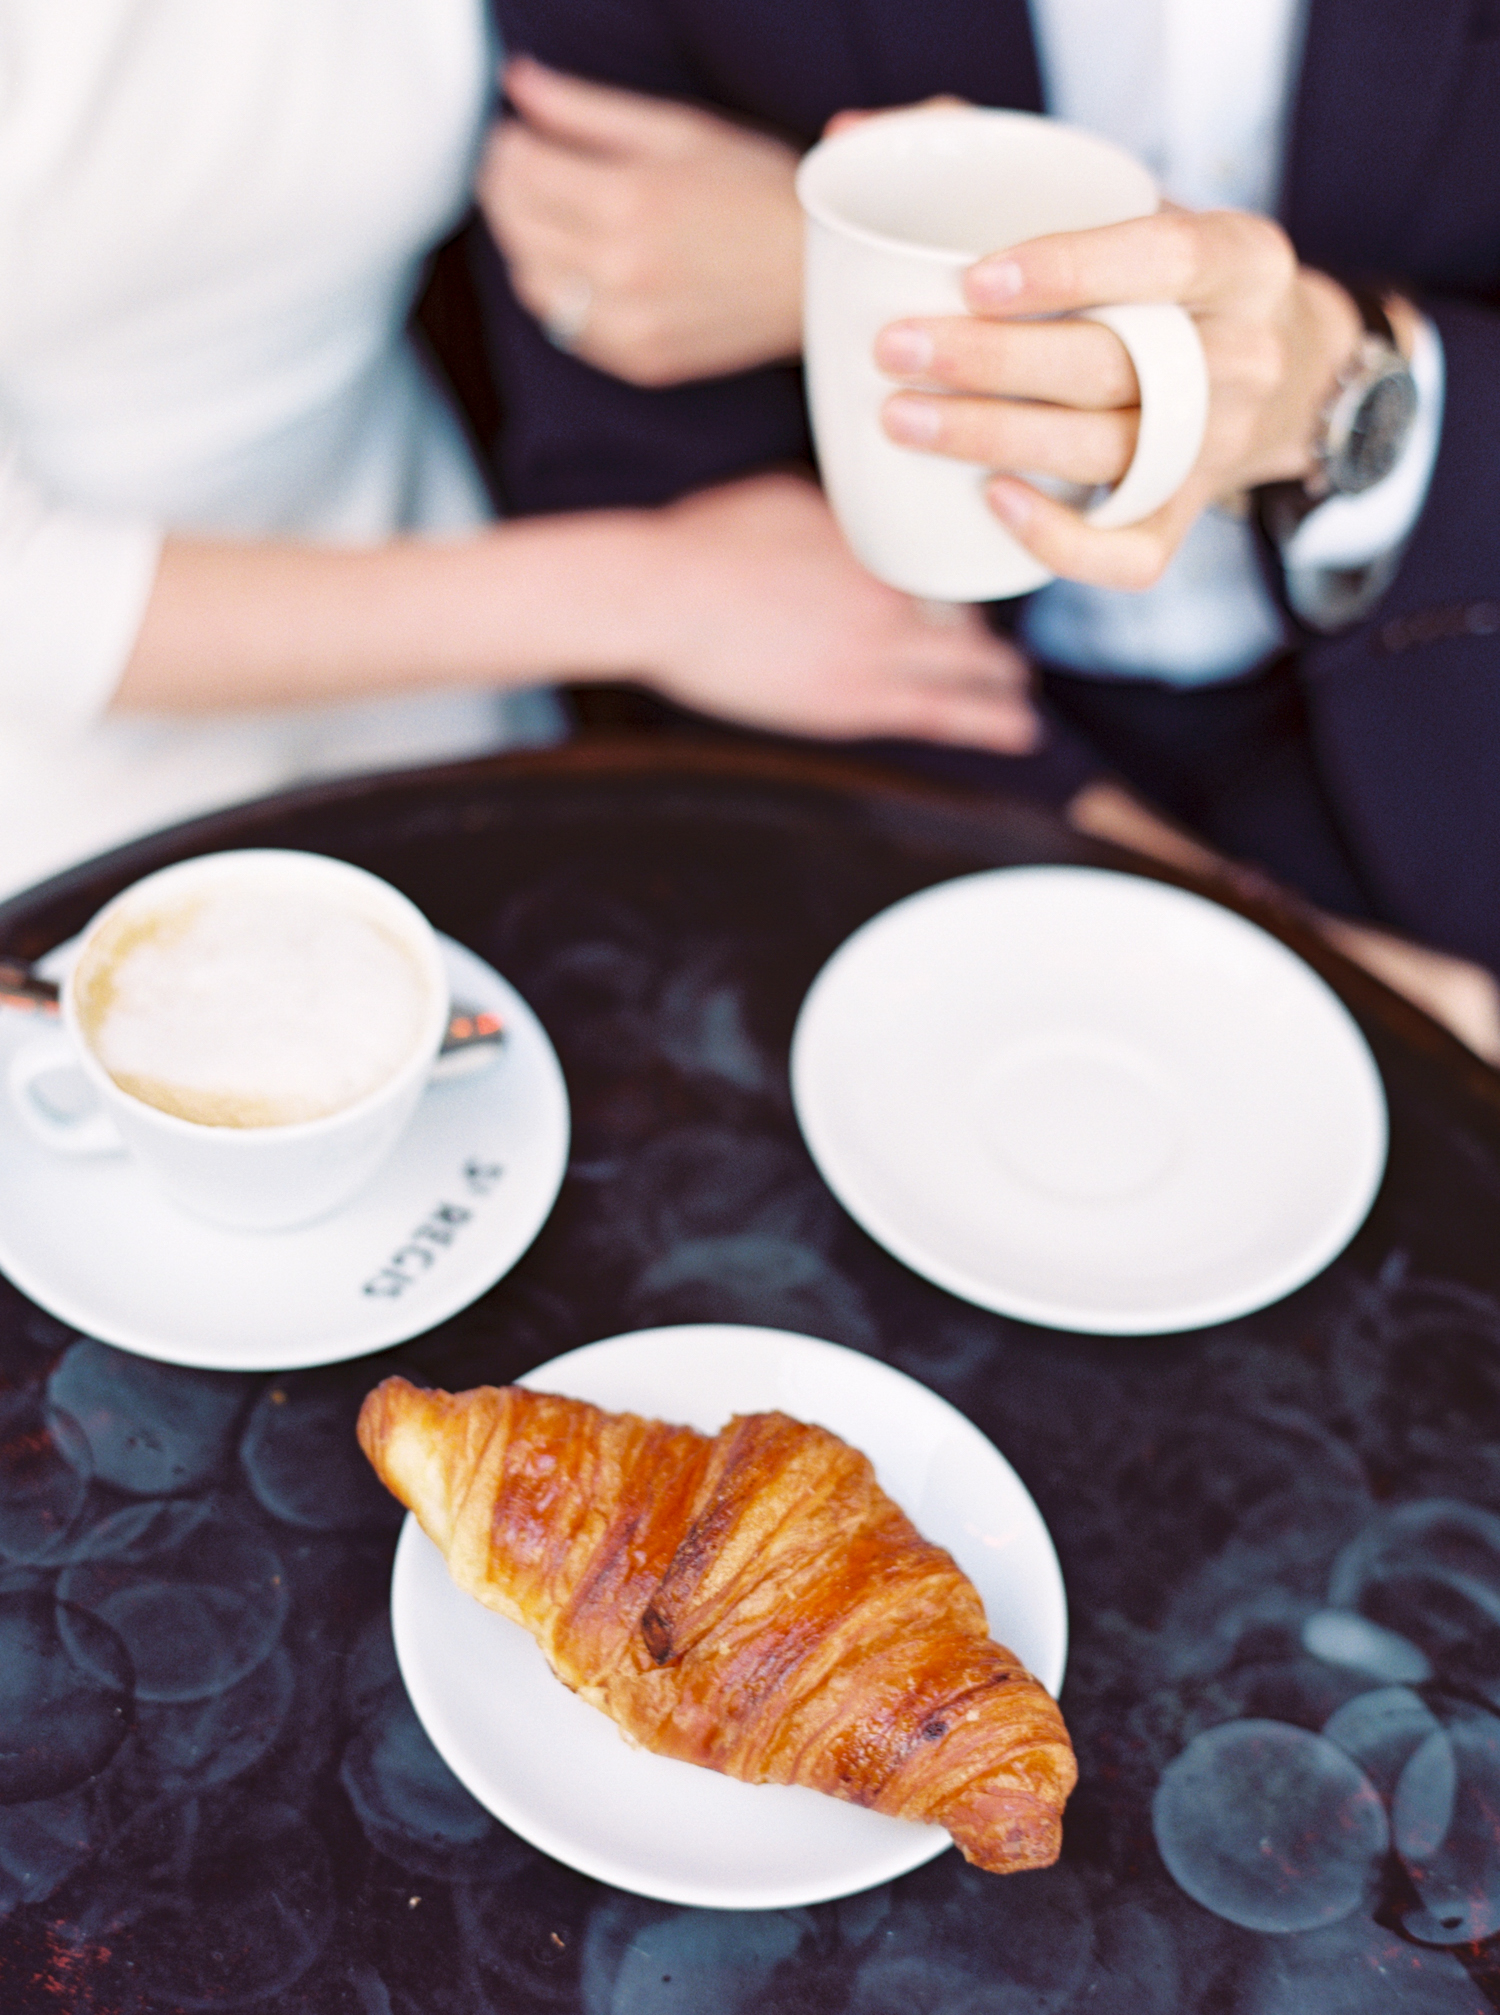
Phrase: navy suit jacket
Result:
[1393,172]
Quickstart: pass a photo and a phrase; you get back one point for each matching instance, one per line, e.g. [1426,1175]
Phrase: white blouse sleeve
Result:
[74,586]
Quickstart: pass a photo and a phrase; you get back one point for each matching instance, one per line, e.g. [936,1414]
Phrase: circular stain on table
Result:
[65,1698]
[1270,1826]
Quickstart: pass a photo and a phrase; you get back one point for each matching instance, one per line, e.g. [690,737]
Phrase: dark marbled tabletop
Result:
[1280,1536]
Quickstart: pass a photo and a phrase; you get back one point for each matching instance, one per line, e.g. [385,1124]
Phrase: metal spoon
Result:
[23,988]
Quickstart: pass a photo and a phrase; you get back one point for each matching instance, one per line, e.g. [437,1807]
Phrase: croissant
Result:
[751,1601]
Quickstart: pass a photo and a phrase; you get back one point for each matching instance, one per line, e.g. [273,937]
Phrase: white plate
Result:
[1088,1099]
[556,1771]
[464,1195]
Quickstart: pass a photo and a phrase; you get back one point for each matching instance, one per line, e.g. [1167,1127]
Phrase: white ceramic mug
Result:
[897,209]
[253,1177]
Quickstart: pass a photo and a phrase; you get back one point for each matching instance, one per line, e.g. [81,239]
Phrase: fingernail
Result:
[993,282]
[912,421]
[1012,502]
[903,349]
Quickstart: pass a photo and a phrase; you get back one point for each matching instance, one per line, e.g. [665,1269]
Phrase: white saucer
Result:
[557,1772]
[465,1194]
[1089,1100]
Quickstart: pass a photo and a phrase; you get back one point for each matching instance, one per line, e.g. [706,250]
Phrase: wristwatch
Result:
[1362,428]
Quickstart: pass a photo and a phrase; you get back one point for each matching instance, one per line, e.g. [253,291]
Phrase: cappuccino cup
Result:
[897,208]
[255,1028]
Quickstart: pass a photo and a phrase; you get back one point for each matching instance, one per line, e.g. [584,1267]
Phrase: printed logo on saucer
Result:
[413,1260]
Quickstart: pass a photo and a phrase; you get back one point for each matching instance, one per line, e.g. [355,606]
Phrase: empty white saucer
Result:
[1089,1100]
[466,1192]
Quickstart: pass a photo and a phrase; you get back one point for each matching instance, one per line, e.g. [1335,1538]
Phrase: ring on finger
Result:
[568,316]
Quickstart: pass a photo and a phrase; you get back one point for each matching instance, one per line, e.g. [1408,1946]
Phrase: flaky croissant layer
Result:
[751,1601]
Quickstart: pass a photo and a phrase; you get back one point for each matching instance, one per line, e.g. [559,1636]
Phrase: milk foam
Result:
[250,1007]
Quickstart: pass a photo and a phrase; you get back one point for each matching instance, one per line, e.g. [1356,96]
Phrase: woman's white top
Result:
[212,219]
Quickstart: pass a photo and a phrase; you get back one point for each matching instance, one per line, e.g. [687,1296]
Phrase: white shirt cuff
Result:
[1350,532]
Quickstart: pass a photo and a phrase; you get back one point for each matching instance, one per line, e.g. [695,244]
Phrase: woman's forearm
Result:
[742,601]
[235,624]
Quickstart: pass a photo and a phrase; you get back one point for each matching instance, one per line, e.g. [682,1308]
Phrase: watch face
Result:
[1377,429]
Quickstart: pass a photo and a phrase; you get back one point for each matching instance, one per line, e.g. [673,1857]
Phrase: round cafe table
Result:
[214,1793]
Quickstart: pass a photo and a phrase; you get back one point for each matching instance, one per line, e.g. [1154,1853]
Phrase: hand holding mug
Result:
[899,208]
[1059,397]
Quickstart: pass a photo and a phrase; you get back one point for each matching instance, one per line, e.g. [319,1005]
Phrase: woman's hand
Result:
[659,242]
[756,609]
[1059,397]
